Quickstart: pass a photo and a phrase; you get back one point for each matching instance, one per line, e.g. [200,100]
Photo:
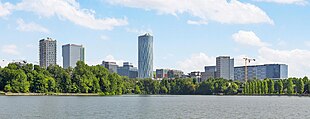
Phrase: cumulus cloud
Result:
[104,37]
[299,2]
[5,9]
[248,38]
[69,10]
[196,22]
[139,31]
[30,27]
[298,60]
[10,49]
[222,11]
[111,58]
[196,62]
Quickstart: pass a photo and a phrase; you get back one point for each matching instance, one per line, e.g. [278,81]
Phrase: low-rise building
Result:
[128,70]
[111,66]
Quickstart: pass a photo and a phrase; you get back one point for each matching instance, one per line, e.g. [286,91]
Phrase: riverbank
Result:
[98,94]
[50,94]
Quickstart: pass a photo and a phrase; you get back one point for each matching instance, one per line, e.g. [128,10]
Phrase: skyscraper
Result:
[72,53]
[47,52]
[225,67]
[145,56]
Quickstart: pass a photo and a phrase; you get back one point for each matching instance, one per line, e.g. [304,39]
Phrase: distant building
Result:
[47,52]
[128,70]
[210,72]
[162,73]
[111,66]
[174,74]
[145,56]
[271,71]
[225,67]
[71,54]
[195,75]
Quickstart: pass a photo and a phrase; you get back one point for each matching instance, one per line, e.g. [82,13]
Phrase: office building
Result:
[162,73]
[175,74]
[128,70]
[111,66]
[225,67]
[271,71]
[210,72]
[195,75]
[71,54]
[145,56]
[47,52]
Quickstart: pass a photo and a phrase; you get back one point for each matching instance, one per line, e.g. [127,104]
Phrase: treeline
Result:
[27,78]
[284,86]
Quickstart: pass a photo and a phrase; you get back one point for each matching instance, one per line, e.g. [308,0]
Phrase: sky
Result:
[188,34]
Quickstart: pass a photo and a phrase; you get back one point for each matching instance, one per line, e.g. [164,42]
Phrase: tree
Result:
[300,86]
[137,90]
[271,86]
[205,88]
[266,86]
[290,86]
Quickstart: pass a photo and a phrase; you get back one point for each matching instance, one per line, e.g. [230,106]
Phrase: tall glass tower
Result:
[145,56]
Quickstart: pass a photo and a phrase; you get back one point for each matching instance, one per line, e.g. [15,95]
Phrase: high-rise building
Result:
[71,54]
[128,70]
[111,66]
[145,56]
[47,52]
[271,71]
[225,67]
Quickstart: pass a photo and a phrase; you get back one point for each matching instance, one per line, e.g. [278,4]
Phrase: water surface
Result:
[153,107]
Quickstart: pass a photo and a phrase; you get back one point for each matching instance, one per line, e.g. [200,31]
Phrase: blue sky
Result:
[188,34]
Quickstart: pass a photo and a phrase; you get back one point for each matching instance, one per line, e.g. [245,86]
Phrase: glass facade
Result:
[272,71]
[145,56]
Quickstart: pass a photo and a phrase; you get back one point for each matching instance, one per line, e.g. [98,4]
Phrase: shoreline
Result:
[98,94]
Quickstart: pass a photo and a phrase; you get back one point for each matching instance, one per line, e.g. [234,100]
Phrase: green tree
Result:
[300,86]
[271,86]
[290,86]
[137,90]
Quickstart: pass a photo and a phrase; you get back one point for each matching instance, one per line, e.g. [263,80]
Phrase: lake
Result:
[153,107]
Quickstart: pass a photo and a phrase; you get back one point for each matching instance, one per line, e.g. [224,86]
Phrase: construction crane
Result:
[246,61]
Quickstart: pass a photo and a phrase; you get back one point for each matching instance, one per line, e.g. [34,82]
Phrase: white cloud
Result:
[139,31]
[4,62]
[248,38]
[30,27]
[5,9]
[196,62]
[298,60]
[10,49]
[298,2]
[222,11]
[196,22]
[110,58]
[104,37]
[69,10]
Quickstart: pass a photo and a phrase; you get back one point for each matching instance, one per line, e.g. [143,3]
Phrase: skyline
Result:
[185,37]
